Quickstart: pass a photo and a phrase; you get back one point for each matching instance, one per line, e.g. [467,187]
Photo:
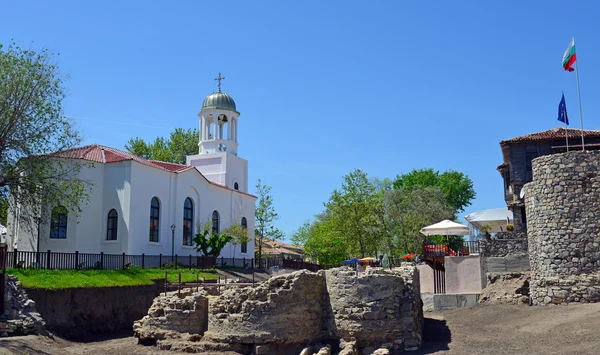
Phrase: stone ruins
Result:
[375,312]
[563,206]
[20,316]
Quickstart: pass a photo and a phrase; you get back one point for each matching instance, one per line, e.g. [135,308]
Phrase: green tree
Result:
[354,213]
[408,209]
[456,186]
[265,217]
[239,235]
[181,143]
[211,244]
[322,243]
[32,125]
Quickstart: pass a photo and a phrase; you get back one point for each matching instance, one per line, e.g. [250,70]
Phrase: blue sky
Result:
[324,87]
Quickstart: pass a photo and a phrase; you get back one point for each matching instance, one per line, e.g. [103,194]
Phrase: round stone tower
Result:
[563,218]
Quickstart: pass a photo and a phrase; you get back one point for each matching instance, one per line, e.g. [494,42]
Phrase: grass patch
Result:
[59,279]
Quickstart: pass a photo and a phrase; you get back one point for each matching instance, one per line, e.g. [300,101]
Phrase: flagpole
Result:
[566,136]
[579,97]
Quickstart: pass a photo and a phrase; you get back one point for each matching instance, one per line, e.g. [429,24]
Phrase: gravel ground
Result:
[485,329]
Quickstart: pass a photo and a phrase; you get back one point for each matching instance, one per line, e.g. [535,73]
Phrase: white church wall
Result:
[26,233]
[237,171]
[117,190]
[146,183]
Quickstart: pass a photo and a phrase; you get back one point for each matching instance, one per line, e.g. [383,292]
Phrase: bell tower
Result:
[218,123]
[217,156]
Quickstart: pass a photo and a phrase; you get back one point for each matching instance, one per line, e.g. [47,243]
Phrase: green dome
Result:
[219,101]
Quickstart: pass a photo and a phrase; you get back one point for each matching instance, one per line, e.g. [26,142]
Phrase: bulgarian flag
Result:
[570,56]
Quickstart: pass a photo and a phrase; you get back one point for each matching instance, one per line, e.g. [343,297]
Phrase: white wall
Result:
[128,187]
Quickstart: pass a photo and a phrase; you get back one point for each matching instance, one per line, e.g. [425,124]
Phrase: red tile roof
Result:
[103,154]
[555,133]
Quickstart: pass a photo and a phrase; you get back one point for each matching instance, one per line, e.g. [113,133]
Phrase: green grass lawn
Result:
[59,279]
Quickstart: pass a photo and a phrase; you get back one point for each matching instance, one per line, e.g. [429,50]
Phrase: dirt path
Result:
[485,329]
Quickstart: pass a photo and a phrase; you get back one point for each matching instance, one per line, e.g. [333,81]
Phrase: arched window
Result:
[154,219]
[58,223]
[215,222]
[244,246]
[188,221]
[111,225]
[236,186]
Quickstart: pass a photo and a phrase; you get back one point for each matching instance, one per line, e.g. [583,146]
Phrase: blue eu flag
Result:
[562,111]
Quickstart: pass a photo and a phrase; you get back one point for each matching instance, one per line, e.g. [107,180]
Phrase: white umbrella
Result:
[446,228]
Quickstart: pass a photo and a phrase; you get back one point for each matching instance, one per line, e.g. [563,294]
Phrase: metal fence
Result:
[454,248]
[81,261]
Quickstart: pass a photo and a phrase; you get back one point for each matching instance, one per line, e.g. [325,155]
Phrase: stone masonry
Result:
[563,210]
[379,307]
[20,316]
[286,309]
[172,315]
[326,310]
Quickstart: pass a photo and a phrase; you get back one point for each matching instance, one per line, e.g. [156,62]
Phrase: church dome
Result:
[219,101]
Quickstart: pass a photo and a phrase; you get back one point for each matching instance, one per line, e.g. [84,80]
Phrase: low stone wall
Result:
[378,307]
[504,244]
[558,290]
[173,313]
[83,312]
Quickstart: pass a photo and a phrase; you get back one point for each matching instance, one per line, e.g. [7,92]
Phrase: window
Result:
[154,219]
[58,223]
[111,225]
[244,245]
[188,221]
[215,222]
[236,186]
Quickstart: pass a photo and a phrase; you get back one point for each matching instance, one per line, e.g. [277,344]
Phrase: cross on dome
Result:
[219,78]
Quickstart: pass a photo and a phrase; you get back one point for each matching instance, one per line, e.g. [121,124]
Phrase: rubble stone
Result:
[20,316]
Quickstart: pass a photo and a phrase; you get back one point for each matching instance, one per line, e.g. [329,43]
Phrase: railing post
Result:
[143,260]
[221,261]
[15,252]
[101,260]
[76,260]
[244,262]
[48,260]
[176,261]
[190,263]
[123,262]
[233,261]
[160,261]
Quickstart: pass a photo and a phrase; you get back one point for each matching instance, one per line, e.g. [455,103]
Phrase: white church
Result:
[152,207]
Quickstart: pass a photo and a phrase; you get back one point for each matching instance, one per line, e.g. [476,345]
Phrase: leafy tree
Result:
[239,235]
[211,244]
[456,186]
[265,217]
[408,209]
[354,213]
[32,125]
[181,143]
[321,242]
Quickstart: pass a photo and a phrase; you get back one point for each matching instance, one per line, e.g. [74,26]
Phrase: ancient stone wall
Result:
[288,313]
[378,307]
[172,313]
[287,310]
[563,213]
